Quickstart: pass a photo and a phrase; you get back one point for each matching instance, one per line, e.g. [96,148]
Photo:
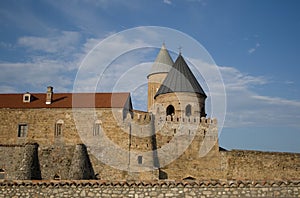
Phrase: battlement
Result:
[190,119]
[141,116]
[146,117]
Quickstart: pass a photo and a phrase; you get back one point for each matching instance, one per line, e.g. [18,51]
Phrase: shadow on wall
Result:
[81,166]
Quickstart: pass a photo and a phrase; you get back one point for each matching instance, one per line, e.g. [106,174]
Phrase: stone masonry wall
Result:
[203,189]
[20,161]
[55,155]
[240,164]
[29,161]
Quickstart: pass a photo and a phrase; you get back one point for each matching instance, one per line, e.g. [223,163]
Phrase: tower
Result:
[158,73]
[180,93]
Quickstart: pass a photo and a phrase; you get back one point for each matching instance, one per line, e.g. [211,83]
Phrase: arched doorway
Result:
[170,110]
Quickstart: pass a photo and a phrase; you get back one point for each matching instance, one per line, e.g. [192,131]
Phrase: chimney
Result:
[49,95]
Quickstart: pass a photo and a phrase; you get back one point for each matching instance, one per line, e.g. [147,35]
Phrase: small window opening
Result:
[188,110]
[26,97]
[97,128]
[140,159]
[2,173]
[58,128]
[170,110]
[22,130]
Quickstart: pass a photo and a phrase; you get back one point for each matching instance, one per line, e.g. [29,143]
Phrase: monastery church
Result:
[77,136]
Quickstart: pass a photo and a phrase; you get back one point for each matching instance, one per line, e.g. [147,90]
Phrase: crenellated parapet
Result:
[188,119]
[141,117]
[144,124]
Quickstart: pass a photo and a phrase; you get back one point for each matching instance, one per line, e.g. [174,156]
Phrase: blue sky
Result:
[255,43]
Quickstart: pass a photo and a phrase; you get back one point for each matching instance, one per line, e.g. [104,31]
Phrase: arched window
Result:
[188,110]
[170,110]
[58,128]
[97,128]
[140,159]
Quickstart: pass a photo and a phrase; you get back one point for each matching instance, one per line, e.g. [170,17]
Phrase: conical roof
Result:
[180,79]
[163,62]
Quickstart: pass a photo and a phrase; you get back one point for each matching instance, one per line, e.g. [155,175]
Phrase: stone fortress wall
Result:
[160,189]
[58,157]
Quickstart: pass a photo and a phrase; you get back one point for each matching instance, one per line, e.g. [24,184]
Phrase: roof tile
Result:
[66,100]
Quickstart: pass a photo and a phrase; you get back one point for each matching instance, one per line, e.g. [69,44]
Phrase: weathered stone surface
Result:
[138,134]
[84,189]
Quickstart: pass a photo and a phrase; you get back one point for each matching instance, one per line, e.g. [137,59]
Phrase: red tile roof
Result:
[66,100]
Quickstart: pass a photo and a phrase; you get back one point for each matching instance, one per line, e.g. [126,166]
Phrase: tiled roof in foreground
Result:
[66,100]
[166,183]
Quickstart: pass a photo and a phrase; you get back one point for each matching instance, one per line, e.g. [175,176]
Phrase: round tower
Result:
[158,73]
[180,93]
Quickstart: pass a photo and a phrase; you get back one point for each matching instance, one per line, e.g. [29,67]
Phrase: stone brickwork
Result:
[261,165]
[139,133]
[29,161]
[179,101]
[40,126]
[154,82]
[20,161]
[203,189]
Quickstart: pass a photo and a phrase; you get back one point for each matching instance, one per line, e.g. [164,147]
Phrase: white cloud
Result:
[202,2]
[167,2]
[253,49]
[64,42]
[235,80]
[36,75]
[277,101]
[245,107]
